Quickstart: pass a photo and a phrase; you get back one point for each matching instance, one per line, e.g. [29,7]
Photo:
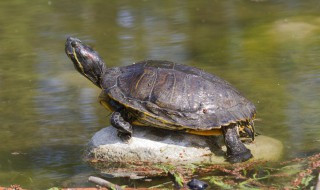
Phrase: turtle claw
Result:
[236,158]
[125,137]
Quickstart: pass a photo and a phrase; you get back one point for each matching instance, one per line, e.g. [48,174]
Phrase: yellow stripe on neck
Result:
[79,64]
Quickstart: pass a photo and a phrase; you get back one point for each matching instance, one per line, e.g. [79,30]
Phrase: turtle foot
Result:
[242,157]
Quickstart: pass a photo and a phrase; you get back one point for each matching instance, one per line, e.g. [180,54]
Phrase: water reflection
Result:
[164,41]
[125,18]
[156,37]
[304,108]
[52,103]
[87,99]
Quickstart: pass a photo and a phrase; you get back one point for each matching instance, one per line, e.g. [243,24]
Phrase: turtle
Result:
[168,95]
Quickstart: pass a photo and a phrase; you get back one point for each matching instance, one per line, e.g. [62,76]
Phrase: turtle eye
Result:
[74,44]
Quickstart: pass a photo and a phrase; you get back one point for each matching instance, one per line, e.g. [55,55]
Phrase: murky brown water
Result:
[269,50]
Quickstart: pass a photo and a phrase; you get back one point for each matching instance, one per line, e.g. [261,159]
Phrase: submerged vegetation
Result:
[298,173]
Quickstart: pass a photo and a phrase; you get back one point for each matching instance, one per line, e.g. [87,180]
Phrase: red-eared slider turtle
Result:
[167,95]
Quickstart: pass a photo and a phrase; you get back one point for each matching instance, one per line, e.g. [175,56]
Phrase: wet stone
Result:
[150,148]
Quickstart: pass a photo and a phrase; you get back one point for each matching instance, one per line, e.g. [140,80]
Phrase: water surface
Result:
[269,50]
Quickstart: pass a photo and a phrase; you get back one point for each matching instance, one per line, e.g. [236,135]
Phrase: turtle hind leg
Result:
[124,128]
[236,150]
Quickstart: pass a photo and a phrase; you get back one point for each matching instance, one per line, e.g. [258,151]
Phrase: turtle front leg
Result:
[236,151]
[124,128]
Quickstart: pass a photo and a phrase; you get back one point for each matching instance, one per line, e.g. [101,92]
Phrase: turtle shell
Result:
[173,96]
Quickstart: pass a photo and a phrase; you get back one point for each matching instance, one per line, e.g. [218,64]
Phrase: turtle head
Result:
[85,60]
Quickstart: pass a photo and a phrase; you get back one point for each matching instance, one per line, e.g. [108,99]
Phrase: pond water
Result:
[269,50]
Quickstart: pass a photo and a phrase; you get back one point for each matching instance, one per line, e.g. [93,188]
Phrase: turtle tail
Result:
[246,130]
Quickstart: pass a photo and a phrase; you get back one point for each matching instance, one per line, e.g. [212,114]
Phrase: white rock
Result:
[155,146]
